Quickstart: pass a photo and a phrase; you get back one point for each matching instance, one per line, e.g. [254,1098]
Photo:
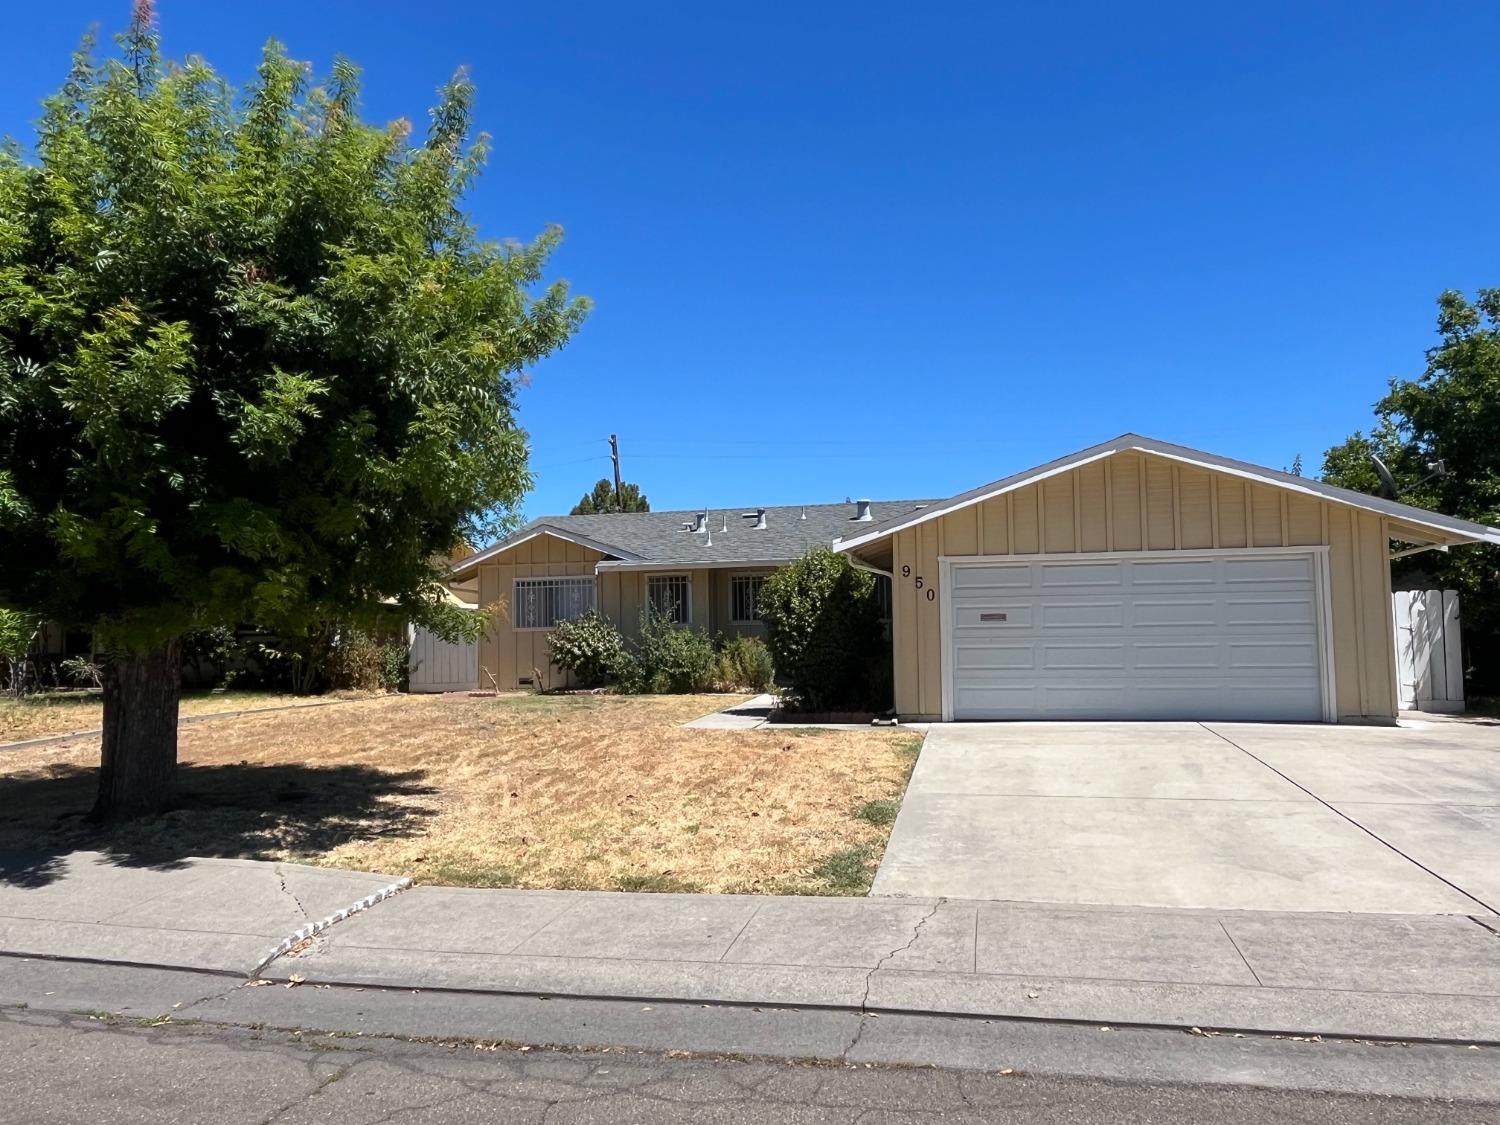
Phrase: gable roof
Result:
[656,540]
[1451,527]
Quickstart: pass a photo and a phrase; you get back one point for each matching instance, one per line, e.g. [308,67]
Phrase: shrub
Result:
[589,646]
[823,629]
[744,663]
[671,658]
[356,662]
[395,665]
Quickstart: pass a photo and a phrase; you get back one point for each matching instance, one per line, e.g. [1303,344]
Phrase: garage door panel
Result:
[1084,656]
[982,657]
[1272,654]
[1082,615]
[1073,576]
[1270,612]
[1296,571]
[1173,573]
[998,616]
[1220,637]
[1177,656]
[1176,612]
[983,578]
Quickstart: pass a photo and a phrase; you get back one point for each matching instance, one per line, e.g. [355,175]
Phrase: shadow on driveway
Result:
[239,811]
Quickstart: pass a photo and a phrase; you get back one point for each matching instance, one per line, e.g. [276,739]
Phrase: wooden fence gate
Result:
[439,665]
[1429,650]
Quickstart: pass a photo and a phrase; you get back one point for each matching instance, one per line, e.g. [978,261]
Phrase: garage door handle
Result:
[992,617]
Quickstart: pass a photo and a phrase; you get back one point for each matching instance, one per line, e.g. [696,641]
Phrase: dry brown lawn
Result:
[41,715]
[582,791]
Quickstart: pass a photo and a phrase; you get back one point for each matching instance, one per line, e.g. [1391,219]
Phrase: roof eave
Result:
[463,566]
[1455,531]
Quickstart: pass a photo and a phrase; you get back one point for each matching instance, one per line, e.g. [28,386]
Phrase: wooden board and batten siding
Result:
[508,656]
[1136,502]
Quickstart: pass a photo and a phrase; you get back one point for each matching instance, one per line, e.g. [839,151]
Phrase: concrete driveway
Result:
[1226,816]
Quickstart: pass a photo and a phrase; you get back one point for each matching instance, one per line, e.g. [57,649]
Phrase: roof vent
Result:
[862,511]
[803,516]
[726,522]
[759,516]
[699,518]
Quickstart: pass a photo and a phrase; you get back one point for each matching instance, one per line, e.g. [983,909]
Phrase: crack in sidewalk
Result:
[864,1001]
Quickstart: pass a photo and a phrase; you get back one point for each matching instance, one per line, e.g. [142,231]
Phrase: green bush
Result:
[395,665]
[589,646]
[825,636]
[744,664]
[668,658]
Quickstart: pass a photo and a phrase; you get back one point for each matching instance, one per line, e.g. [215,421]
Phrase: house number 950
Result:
[921,583]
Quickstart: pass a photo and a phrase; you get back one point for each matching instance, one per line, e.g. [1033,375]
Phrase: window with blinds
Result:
[744,597]
[671,595]
[541,603]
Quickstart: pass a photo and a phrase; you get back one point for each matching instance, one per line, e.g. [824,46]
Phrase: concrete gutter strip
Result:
[313,929]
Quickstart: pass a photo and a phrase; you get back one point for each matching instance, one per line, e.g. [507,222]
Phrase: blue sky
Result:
[1001,231]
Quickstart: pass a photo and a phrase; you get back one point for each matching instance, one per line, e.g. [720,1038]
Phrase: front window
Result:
[671,596]
[542,602]
[744,596]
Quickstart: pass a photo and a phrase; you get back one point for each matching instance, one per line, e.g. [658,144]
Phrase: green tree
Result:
[1450,413]
[602,500]
[255,365]
[822,616]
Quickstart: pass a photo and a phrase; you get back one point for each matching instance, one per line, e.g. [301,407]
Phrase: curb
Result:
[312,929]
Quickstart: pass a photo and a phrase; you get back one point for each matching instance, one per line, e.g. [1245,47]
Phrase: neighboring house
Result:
[703,568]
[1135,579]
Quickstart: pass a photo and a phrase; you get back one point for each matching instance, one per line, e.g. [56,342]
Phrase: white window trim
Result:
[687,581]
[733,578]
[542,578]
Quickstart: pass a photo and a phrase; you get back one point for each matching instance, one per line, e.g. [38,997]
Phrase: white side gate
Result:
[1429,650]
[439,665]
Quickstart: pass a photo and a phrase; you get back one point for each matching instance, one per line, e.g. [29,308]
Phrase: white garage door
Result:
[1196,637]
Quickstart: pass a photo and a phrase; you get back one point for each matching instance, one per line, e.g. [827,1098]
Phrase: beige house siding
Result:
[507,655]
[1134,501]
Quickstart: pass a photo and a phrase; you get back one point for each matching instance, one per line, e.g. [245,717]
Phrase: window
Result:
[672,595]
[744,596]
[883,596]
[542,602]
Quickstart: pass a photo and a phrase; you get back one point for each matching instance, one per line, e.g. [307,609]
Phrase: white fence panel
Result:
[439,665]
[1429,650]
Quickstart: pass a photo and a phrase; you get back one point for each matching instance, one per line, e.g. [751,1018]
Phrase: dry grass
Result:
[37,716]
[564,791]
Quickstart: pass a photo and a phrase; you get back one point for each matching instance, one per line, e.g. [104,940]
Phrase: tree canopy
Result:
[1450,413]
[602,499]
[256,364]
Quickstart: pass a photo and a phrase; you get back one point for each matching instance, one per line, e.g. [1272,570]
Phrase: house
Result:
[1138,579]
[703,568]
[1135,579]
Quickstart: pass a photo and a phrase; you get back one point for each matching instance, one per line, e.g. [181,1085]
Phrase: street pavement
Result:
[69,1068]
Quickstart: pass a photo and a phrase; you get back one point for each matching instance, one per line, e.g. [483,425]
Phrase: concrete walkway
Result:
[1369,976]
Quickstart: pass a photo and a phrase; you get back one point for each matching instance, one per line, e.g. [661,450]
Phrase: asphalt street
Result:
[67,1068]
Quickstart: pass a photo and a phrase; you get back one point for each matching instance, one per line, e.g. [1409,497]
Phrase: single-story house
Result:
[1135,579]
[703,568]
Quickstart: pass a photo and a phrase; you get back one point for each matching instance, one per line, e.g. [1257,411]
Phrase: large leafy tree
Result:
[602,500]
[255,365]
[1450,413]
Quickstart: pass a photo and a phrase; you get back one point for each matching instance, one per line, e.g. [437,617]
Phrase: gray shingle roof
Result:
[659,537]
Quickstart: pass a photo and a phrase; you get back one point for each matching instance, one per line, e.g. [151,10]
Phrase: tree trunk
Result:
[139,766]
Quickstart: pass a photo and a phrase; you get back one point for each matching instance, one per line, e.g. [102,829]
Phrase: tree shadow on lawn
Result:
[244,811]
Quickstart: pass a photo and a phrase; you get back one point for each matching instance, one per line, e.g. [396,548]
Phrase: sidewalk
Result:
[1357,975]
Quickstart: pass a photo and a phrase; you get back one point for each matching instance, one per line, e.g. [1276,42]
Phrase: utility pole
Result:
[614,453]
